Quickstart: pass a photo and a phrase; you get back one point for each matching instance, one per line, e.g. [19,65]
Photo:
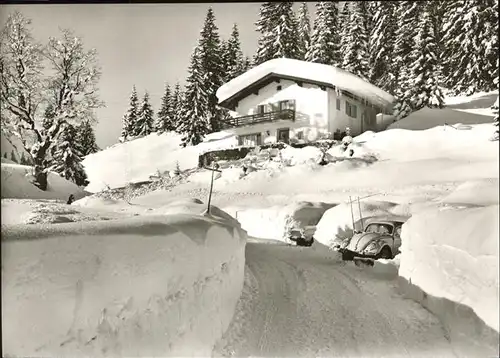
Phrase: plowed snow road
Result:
[305,302]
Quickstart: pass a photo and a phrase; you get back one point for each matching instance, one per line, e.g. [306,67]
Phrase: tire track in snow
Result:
[305,303]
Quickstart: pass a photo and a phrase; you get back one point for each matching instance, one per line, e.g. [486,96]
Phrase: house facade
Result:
[291,101]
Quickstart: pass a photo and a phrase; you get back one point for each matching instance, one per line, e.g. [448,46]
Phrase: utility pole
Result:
[215,168]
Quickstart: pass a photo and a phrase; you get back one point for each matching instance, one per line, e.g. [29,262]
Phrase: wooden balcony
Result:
[285,114]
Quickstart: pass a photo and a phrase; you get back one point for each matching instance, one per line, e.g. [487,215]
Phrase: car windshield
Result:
[379,228]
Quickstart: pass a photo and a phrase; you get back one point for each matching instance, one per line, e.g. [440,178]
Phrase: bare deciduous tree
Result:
[70,87]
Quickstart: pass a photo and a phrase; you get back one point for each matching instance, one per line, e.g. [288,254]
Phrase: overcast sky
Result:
[142,44]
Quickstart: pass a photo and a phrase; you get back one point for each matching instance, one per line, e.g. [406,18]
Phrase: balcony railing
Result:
[285,114]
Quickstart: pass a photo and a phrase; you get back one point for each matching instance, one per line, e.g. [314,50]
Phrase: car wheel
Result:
[385,253]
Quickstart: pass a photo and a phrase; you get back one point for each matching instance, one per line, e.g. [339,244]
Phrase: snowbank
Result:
[475,192]
[151,286]
[336,223]
[16,184]
[271,222]
[453,253]
[427,118]
[433,143]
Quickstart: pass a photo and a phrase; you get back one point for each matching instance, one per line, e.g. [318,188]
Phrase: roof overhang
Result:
[231,102]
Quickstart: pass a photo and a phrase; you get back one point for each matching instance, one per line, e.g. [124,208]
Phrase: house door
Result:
[283,135]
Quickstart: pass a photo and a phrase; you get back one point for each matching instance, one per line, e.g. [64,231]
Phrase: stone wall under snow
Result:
[155,286]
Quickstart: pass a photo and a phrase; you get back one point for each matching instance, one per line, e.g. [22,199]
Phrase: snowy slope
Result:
[153,286]
[138,159]
[16,184]
[337,77]
[12,144]
[464,110]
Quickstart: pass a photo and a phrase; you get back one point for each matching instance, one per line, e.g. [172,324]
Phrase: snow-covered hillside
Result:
[17,183]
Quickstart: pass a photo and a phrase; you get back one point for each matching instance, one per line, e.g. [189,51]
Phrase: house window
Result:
[338,104]
[278,88]
[261,109]
[250,139]
[300,135]
[350,110]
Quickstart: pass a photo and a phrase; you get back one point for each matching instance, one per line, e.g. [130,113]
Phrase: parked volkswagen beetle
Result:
[381,239]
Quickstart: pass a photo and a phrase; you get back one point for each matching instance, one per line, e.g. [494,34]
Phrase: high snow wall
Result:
[154,286]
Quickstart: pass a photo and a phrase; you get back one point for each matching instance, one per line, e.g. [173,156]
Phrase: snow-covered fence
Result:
[155,286]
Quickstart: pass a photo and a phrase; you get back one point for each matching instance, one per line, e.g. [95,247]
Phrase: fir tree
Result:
[164,118]
[212,67]
[5,155]
[125,129]
[356,48]
[325,40]
[344,17]
[471,46]
[86,139]
[232,56]
[382,72]
[407,13]
[195,115]
[278,27]
[494,108]
[24,160]
[48,117]
[304,28]
[247,64]
[144,123]
[424,86]
[67,159]
[130,118]
[13,156]
[176,105]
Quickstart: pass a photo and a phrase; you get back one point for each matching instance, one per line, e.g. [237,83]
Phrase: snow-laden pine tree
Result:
[233,61]
[247,64]
[67,160]
[165,121]
[345,25]
[471,46]
[129,120]
[381,44]
[356,49]
[212,65]
[125,126]
[194,117]
[86,138]
[325,39]
[494,108]
[407,15]
[278,27]
[424,86]
[145,120]
[176,105]
[304,28]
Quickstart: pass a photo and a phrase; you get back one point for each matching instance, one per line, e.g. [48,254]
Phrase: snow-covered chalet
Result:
[292,100]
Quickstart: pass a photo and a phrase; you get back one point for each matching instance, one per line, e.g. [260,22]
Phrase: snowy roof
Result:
[307,71]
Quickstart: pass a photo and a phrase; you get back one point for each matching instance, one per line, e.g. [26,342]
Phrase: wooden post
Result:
[352,215]
[214,168]
[361,216]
